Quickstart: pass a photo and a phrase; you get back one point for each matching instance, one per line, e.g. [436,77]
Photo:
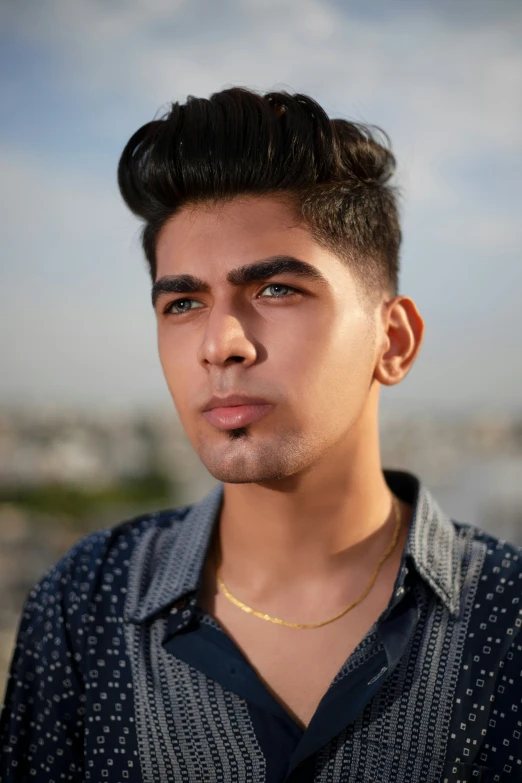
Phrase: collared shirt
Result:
[119,675]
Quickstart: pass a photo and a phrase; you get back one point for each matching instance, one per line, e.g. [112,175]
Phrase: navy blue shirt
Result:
[118,674]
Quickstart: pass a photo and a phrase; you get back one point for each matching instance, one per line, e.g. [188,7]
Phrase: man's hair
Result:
[240,142]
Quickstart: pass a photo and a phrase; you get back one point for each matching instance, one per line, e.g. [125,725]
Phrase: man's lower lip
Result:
[234,416]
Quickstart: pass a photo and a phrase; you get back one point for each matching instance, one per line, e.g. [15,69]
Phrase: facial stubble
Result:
[260,462]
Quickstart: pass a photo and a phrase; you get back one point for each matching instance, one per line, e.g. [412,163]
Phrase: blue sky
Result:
[78,78]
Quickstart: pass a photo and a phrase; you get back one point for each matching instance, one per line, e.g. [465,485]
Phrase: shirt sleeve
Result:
[41,724]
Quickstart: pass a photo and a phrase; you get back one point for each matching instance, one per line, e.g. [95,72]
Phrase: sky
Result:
[77,78]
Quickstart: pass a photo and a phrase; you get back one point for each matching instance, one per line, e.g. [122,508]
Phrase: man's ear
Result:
[403,330]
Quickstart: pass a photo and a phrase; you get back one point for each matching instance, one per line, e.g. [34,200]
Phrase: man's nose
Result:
[226,341]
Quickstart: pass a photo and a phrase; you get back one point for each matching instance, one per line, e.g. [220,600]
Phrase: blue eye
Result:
[279,290]
[180,306]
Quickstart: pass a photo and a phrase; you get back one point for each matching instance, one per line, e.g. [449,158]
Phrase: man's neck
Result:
[312,525]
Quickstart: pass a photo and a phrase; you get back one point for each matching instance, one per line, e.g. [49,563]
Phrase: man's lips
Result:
[235,416]
[235,411]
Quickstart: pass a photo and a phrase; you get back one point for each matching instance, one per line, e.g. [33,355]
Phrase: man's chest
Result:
[172,720]
[297,666]
[185,717]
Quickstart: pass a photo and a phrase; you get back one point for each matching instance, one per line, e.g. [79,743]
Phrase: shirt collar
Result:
[432,544]
[174,555]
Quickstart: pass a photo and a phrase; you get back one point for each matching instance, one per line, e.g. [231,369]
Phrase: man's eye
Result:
[180,306]
[278,290]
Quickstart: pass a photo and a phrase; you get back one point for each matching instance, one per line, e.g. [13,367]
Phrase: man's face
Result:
[299,342]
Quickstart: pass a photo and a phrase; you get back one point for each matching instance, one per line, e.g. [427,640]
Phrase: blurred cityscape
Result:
[64,474]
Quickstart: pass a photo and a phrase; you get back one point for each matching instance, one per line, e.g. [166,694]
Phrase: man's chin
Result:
[242,462]
[240,473]
[248,455]
[236,478]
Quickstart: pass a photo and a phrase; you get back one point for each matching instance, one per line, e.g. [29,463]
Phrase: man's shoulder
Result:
[495,549]
[500,577]
[103,556]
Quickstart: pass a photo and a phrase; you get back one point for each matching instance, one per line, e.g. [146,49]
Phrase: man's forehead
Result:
[212,242]
[235,231]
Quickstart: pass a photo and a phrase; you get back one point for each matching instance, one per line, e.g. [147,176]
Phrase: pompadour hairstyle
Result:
[334,172]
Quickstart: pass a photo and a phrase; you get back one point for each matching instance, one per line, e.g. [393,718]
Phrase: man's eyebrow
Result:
[178,284]
[255,272]
[270,267]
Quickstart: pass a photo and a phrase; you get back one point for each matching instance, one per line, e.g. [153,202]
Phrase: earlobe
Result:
[404,330]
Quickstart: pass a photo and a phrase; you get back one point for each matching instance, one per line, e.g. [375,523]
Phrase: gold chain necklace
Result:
[276,620]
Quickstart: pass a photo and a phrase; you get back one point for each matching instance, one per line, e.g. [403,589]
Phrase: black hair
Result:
[336,173]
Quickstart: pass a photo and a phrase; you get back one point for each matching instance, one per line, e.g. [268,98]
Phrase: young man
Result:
[315,618]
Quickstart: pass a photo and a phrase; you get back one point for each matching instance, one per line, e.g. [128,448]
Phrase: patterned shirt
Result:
[118,674]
